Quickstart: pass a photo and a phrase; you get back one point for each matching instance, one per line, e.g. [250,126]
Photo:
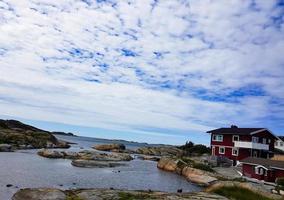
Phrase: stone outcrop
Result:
[160,151]
[95,164]
[106,194]
[22,136]
[191,174]
[145,157]
[5,148]
[109,147]
[42,194]
[85,155]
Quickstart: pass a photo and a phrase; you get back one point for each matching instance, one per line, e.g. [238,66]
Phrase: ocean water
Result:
[25,169]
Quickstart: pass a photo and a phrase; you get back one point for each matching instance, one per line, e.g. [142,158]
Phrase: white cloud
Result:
[63,61]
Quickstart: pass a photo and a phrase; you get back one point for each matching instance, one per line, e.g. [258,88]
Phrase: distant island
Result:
[63,133]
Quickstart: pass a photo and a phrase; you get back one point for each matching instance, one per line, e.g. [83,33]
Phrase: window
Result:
[281,144]
[236,138]
[269,141]
[255,139]
[259,170]
[221,150]
[235,152]
[264,140]
[218,138]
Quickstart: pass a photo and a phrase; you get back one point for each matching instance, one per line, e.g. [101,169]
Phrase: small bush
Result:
[129,196]
[192,149]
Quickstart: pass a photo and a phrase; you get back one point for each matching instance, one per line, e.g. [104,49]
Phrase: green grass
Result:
[238,193]
[129,196]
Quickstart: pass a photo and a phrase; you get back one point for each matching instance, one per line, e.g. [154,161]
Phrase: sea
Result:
[25,169]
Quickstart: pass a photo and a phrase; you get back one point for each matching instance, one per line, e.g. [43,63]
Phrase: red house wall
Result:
[248,171]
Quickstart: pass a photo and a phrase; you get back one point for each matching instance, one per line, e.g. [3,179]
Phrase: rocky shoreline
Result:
[108,194]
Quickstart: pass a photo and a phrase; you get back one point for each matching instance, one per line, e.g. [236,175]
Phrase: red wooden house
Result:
[262,169]
[239,143]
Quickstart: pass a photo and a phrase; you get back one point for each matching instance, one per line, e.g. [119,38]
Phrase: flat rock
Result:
[95,164]
[39,194]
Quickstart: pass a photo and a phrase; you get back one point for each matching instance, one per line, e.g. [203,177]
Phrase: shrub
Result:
[191,149]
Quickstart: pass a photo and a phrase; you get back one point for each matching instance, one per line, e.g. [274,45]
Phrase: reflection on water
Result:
[25,169]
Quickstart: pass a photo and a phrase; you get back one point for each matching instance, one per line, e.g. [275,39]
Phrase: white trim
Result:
[258,166]
[261,165]
[216,145]
[222,148]
[277,168]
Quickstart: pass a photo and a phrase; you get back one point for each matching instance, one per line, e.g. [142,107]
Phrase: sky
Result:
[157,71]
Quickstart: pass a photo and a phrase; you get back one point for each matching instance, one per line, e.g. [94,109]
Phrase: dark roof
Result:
[281,137]
[264,162]
[235,130]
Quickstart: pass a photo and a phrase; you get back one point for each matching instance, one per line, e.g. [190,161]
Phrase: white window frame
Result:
[237,137]
[254,139]
[281,144]
[218,138]
[263,140]
[235,149]
[222,148]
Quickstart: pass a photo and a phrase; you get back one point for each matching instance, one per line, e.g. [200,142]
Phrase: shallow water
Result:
[24,169]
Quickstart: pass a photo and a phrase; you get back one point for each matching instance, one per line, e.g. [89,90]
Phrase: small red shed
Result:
[262,169]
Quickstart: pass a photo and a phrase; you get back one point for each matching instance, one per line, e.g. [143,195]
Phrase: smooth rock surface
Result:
[95,164]
[39,194]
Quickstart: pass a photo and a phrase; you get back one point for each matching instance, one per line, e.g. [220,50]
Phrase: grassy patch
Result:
[202,167]
[129,196]
[73,198]
[238,193]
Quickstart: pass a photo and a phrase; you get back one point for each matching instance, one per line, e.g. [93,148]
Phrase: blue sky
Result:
[154,71]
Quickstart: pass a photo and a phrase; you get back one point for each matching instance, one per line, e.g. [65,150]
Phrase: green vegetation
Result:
[129,196]
[238,193]
[196,165]
[203,167]
[191,149]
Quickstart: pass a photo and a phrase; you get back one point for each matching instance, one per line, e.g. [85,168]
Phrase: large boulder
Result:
[42,194]
[198,176]
[167,164]
[109,147]
[160,151]
[5,148]
[50,153]
[95,164]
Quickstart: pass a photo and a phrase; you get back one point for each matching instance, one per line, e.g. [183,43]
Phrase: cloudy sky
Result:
[160,71]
